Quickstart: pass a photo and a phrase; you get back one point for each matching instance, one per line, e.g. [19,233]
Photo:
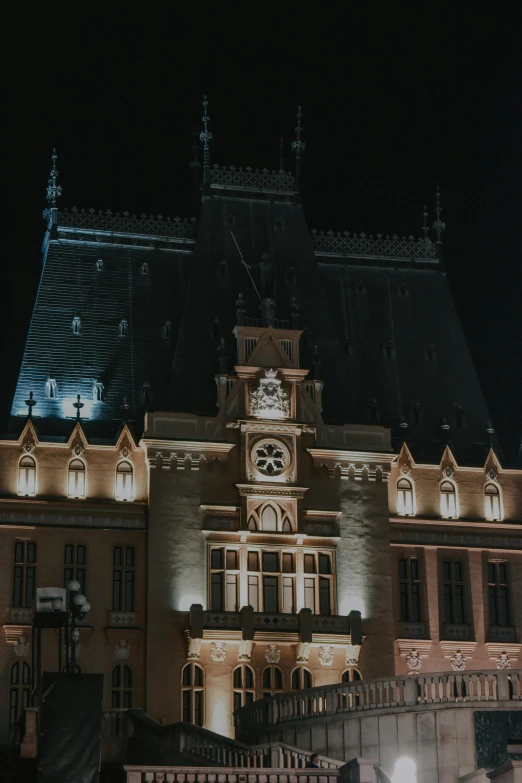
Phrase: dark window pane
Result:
[414,568]
[68,576]
[457,572]
[356,675]
[253,561]
[309,564]
[69,554]
[129,591]
[115,700]
[249,697]
[266,679]
[324,564]
[324,596]
[415,603]
[295,680]
[278,678]
[80,557]
[492,606]
[402,569]
[19,552]
[30,585]
[187,675]
[307,679]
[237,700]
[288,562]
[127,699]
[13,706]
[448,605]
[31,552]
[127,677]
[502,573]
[187,703]
[198,708]
[26,673]
[231,559]
[446,571]
[270,561]
[198,675]
[80,576]
[217,592]
[216,558]
[116,590]
[129,556]
[458,604]
[503,608]
[17,585]
[238,680]
[270,594]
[249,677]
[15,673]
[117,556]
[116,676]
[491,573]
[403,598]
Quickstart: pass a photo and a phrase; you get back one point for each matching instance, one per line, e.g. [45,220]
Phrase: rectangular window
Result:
[409,590]
[253,592]
[74,565]
[24,573]
[324,596]
[309,564]
[309,591]
[270,594]
[288,594]
[123,576]
[498,594]
[453,590]
[253,561]
[224,579]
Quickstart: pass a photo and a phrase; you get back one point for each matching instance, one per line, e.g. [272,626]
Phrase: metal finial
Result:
[490,432]
[205,136]
[281,151]
[298,146]
[54,191]
[78,405]
[425,227]
[438,225]
[30,404]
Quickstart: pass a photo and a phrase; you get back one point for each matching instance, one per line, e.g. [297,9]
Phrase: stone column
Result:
[432,593]
[364,570]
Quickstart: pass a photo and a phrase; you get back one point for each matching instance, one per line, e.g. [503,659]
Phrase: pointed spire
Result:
[425,227]
[54,190]
[206,136]
[30,404]
[438,225]
[298,146]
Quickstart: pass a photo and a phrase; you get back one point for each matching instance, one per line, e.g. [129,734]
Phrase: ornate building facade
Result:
[262,452]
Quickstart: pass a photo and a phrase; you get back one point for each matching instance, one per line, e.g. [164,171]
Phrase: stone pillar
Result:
[432,593]
[478,595]
[175,581]
[364,571]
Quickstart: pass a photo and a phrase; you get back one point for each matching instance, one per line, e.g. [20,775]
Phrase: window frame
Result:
[301,671]
[75,570]
[280,575]
[193,689]
[224,573]
[452,586]
[272,690]
[399,502]
[246,693]
[19,690]
[120,584]
[318,576]
[122,690]
[498,495]
[499,586]
[75,471]
[132,473]
[408,581]
[25,574]
[34,469]
[443,495]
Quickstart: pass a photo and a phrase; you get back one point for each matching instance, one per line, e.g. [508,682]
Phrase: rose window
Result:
[270,457]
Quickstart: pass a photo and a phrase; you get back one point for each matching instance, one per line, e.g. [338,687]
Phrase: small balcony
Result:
[502,633]
[457,632]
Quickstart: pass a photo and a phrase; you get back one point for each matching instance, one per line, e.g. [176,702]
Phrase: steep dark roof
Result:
[380,326]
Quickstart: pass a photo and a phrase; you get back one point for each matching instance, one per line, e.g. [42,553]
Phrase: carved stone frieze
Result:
[194,647]
[503,661]
[414,660]
[326,656]
[458,661]
[272,654]
[269,399]
[21,648]
[352,654]
[245,650]
[218,652]
[122,650]
[303,652]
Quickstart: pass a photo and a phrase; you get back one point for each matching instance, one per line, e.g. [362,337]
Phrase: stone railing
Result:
[147,774]
[125,223]
[329,700]
[304,622]
[337,244]
[252,179]
[116,723]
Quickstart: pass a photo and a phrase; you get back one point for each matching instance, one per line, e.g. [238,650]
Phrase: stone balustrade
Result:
[149,774]
[411,691]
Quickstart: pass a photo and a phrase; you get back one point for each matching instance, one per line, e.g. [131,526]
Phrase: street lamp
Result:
[77,607]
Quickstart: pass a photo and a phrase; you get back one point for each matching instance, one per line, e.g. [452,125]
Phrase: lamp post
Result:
[76,607]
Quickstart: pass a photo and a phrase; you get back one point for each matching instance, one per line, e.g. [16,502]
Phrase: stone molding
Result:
[423,646]
[13,632]
[357,466]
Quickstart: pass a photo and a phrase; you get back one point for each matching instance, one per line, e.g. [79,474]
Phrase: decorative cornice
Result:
[357,465]
[39,513]
[380,246]
[422,646]
[126,223]
[445,538]
[249,179]
[450,648]
[280,490]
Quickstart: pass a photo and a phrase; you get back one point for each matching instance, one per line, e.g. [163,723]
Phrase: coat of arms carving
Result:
[269,399]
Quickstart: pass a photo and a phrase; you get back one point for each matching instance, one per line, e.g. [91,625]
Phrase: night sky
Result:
[391,107]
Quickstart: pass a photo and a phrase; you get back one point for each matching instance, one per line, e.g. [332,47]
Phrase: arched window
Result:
[359,287]
[351,675]
[222,270]
[19,690]
[244,688]
[51,389]
[124,481]
[98,391]
[430,354]
[290,276]
[192,694]
[76,479]
[99,265]
[146,394]
[252,523]
[123,328]
[301,678]
[403,290]
[388,350]
[27,476]
[144,268]
[167,330]
[405,497]
[287,524]
[448,500]
[76,325]
[121,685]
[272,681]
[492,506]
[269,519]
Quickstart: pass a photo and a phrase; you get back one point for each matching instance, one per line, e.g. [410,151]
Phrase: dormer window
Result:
[403,291]
[144,268]
[430,353]
[492,508]
[167,330]
[416,413]
[51,389]
[27,476]
[222,270]
[76,479]
[448,500]
[359,287]
[146,394]
[99,265]
[388,351]
[405,498]
[459,417]
[76,325]
[124,481]
[123,328]
[98,392]
[373,412]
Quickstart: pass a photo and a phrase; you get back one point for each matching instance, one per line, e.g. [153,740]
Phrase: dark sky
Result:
[392,105]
